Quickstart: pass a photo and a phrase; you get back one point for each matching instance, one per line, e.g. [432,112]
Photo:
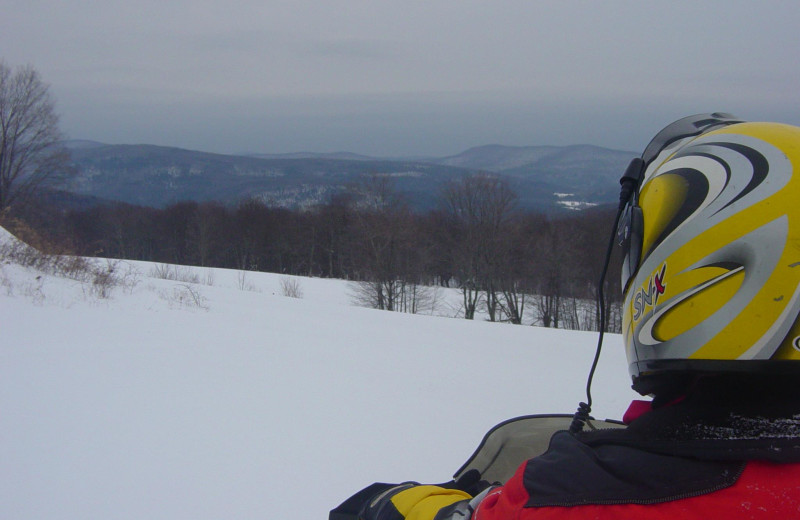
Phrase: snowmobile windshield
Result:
[512,442]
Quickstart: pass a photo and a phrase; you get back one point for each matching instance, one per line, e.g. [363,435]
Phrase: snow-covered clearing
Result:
[220,398]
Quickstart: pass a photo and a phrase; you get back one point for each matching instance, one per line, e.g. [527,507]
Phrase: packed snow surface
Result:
[214,396]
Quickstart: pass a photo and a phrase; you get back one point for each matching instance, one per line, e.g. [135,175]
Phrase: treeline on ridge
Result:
[509,265]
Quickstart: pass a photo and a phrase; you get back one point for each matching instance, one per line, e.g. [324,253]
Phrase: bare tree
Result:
[30,153]
[387,245]
[481,208]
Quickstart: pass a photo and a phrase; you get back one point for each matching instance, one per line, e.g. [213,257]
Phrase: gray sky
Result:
[407,77]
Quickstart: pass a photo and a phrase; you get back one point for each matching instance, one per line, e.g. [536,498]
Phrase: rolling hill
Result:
[546,178]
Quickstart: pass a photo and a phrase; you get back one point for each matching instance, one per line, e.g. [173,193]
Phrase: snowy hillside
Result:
[212,395]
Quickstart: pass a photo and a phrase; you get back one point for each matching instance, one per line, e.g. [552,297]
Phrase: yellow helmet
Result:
[711,276]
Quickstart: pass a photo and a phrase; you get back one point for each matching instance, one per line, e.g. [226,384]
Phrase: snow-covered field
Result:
[221,398]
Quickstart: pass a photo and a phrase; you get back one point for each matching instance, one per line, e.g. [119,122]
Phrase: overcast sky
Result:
[407,77]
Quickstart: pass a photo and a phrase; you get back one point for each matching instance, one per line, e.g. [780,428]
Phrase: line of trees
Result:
[509,265]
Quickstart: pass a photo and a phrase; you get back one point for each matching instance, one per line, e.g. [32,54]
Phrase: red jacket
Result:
[764,490]
[687,461]
[693,460]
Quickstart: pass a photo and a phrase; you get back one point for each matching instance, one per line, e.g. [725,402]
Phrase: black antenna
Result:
[629,183]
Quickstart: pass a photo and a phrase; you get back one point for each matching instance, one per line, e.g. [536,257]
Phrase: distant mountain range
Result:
[546,178]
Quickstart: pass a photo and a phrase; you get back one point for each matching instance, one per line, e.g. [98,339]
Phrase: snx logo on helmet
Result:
[647,297]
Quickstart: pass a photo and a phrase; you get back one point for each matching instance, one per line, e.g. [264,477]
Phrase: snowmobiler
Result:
[711,278]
